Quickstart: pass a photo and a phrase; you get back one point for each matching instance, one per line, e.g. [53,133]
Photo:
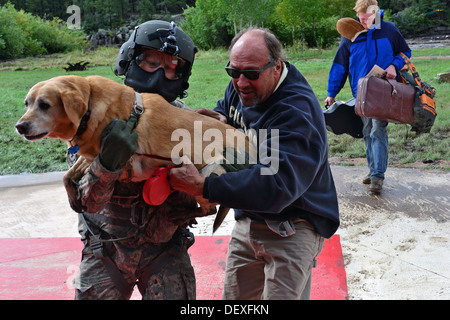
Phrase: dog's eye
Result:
[26,104]
[44,106]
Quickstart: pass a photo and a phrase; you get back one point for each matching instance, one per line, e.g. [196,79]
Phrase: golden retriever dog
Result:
[56,108]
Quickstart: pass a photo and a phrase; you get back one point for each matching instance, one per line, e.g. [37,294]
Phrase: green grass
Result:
[207,85]
[208,80]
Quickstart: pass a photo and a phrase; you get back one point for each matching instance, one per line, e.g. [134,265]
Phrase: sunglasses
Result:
[249,74]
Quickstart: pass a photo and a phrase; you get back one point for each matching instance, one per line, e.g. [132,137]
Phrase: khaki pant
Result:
[263,265]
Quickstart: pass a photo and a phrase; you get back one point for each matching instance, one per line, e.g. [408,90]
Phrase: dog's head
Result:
[54,108]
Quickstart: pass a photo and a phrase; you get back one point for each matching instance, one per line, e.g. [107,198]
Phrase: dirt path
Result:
[431,57]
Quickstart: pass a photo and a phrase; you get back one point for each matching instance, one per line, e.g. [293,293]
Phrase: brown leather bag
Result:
[385,100]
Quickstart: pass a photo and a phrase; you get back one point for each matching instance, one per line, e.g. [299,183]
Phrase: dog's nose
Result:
[22,127]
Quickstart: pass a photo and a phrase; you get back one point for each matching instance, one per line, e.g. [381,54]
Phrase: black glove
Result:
[118,144]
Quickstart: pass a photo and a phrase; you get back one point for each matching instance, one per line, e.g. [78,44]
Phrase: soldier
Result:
[126,241]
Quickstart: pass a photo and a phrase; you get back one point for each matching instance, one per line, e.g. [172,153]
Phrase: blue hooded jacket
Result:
[380,45]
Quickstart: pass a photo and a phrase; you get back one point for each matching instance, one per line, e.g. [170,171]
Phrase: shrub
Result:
[12,39]
[22,34]
[411,21]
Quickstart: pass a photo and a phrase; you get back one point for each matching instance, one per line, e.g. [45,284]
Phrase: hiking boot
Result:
[376,185]
[367,179]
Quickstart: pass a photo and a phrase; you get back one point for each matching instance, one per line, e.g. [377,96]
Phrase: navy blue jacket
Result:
[302,186]
[379,46]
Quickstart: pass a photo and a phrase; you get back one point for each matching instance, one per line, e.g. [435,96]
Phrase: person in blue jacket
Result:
[381,45]
[286,203]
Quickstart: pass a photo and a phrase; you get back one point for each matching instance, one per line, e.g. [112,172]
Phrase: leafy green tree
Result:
[12,39]
[247,13]
[300,13]
[314,20]
[102,14]
[146,8]
[418,16]
[207,24]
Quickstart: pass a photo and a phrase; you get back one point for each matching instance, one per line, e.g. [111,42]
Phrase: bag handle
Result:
[394,91]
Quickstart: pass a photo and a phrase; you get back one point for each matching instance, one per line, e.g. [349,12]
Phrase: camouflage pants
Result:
[161,271]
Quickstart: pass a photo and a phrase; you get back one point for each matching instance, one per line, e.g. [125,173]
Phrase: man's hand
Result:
[329,101]
[391,73]
[119,142]
[186,178]
[212,114]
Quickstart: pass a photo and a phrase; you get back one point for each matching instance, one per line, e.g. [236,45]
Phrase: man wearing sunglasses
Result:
[282,218]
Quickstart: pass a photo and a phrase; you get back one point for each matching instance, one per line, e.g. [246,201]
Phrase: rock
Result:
[445,77]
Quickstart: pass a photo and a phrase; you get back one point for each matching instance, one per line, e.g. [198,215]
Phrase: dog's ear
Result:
[75,105]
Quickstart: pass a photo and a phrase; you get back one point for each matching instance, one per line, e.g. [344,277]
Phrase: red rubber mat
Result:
[44,268]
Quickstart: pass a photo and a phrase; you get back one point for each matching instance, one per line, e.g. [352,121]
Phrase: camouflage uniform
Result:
[152,246]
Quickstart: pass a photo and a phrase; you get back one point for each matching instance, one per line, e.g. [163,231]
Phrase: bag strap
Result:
[428,90]
[413,69]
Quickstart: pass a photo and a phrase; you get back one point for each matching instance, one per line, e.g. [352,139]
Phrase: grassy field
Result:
[207,85]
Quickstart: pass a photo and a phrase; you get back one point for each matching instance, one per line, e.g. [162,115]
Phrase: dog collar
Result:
[81,129]
[83,124]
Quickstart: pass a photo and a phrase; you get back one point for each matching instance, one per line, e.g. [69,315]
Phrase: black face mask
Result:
[154,82]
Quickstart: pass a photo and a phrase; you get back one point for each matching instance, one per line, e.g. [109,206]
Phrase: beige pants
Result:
[263,265]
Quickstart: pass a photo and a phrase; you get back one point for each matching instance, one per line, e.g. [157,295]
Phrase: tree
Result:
[247,13]
[146,9]
[105,14]
[294,13]
[207,24]
[340,8]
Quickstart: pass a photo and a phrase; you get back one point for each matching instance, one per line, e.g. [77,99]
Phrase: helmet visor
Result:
[151,60]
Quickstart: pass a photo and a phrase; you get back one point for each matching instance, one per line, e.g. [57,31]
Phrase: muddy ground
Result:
[431,41]
[396,245]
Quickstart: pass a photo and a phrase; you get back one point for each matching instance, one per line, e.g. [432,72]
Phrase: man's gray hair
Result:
[273,44]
